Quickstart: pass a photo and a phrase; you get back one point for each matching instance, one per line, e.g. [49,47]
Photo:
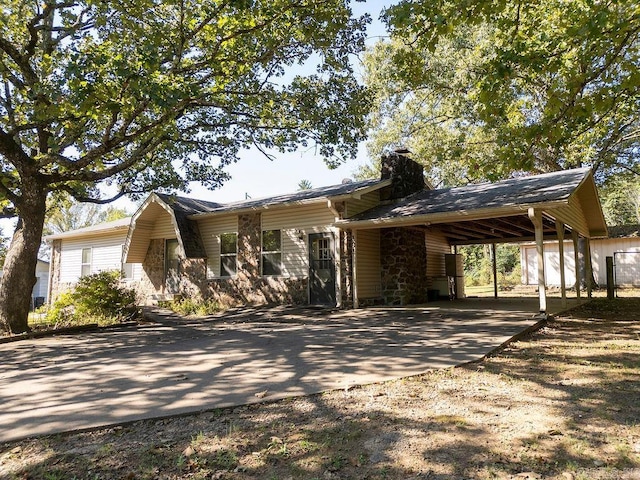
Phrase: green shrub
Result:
[97,298]
[190,306]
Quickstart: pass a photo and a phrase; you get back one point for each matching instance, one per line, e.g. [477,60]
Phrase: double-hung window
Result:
[85,268]
[271,252]
[228,254]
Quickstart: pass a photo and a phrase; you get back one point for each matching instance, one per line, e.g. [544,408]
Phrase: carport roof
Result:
[569,196]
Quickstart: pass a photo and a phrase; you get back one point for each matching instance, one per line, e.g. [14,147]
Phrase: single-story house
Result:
[623,245]
[380,241]
[89,250]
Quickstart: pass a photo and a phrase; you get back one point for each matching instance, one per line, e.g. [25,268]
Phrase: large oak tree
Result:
[483,89]
[149,94]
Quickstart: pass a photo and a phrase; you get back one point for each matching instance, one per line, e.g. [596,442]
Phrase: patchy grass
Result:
[562,404]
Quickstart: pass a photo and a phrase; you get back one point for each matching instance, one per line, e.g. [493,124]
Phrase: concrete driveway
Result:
[175,365]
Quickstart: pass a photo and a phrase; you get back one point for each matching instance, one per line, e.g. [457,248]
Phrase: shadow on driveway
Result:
[175,365]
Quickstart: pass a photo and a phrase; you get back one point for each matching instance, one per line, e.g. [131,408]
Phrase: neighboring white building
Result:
[40,292]
[89,250]
[623,245]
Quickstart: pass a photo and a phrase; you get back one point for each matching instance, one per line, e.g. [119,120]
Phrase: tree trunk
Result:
[19,273]
[583,253]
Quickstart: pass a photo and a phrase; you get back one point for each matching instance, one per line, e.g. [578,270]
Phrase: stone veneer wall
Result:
[404,266]
[55,287]
[407,176]
[152,282]
[346,268]
[248,286]
[193,277]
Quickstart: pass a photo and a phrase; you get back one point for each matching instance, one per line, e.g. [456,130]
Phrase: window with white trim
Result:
[271,252]
[85,268]
[228,254]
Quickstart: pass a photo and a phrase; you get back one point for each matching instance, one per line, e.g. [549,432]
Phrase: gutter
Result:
[447,217]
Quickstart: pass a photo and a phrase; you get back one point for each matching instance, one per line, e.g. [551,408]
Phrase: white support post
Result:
[536,218]
[563,284]
[576,255]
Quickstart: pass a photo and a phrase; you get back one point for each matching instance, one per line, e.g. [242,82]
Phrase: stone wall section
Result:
[407,176]
[151,285]
[55,287]
[404,266]
[346,247]
[248,286]
[193,278]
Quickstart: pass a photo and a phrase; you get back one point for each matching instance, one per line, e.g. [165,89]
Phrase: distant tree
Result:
[620,197]
[146,95]
[304,185]
[480,90]
[67,214]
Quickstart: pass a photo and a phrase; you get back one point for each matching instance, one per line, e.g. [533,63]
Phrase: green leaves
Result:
[497,87]
[154,94]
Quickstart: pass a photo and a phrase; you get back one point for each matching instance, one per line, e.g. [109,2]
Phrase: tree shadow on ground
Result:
[542,407]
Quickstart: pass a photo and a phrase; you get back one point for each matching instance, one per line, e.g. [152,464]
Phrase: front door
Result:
[172,267]
[322,269]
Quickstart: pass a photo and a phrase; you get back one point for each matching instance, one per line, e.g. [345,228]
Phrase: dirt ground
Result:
[562,404]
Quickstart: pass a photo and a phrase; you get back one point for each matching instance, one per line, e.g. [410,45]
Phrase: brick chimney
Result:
[406,176]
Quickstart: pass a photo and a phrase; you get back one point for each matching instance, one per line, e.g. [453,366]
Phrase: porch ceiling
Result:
[515,228]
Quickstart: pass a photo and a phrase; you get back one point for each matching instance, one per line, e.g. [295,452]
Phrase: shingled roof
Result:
[550,187]
[302,196]
[486,200]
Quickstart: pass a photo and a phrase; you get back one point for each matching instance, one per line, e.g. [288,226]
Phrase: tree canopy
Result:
[486,89]
[145,95]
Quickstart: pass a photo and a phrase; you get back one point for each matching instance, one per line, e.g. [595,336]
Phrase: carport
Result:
[550,206]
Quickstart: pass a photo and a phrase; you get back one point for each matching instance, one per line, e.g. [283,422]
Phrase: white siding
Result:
[297,222]
[600,249]
[210,230]
[41,288]
[628,266]
[163,227]
[368,263]
[368,200]
[529,257]
[106,254]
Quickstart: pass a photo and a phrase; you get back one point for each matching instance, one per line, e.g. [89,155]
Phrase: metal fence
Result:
[626,271]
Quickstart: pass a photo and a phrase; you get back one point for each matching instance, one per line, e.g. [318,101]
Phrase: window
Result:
[126,269]
[228,254]
[85,268]
[271,252]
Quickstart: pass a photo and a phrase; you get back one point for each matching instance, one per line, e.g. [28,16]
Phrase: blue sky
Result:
[256,176]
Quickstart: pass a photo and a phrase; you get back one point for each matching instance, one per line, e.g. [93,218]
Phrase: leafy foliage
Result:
[621,200]
[485,89]
[98,297]
[65,214]
[194,306]
[478,266]
[147,95]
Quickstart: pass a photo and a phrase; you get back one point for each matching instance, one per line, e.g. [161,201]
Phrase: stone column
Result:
[403,261]
[346,268]
[249,246]
[54,271]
